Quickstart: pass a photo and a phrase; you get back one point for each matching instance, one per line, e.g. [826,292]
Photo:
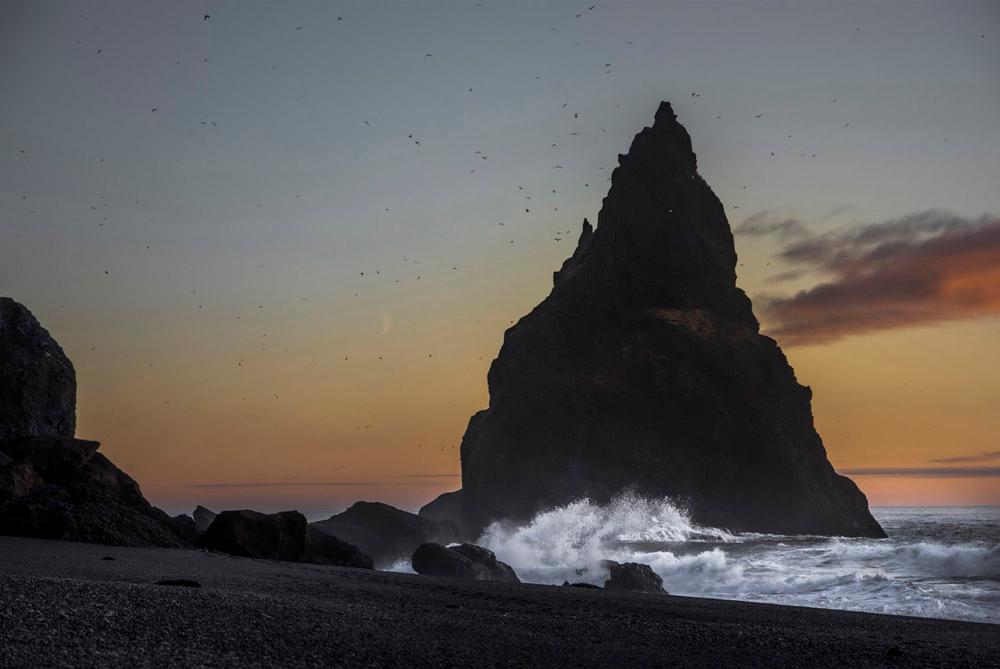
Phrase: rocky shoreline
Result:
[74,604]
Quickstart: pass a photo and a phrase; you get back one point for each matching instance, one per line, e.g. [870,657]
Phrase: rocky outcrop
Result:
[62,488]
[282,536]
[184,527]
[645,369]
[37,380]
[386,533]
[202,519]
[446,507]
[323,548]
[633,577]
[52,485]
[464,561]
[276,536]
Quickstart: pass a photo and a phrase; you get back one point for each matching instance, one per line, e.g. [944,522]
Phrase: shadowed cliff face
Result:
[645,368]
[37,380]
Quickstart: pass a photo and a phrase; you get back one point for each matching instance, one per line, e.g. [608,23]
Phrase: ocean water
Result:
[937,562]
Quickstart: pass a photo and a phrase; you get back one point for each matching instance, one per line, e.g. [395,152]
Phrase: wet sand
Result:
[62,604]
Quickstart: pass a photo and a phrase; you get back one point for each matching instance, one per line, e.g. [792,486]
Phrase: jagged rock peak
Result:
[662,239]
[665,145]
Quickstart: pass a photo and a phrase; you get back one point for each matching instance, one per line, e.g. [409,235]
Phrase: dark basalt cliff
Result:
[37,380]
[645,369]
[53,485]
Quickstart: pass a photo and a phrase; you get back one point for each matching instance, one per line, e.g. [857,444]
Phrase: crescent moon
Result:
[386,324]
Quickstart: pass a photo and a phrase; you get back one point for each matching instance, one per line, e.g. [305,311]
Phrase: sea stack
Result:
[645,369]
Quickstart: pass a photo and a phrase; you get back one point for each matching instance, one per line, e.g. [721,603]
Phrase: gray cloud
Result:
[761,224]
[983,456]
[282,484]
[784,276]
[309,482]
[924,268]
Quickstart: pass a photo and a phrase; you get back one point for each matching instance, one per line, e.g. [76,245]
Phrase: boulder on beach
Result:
[282,536]
[463,561]
[37,380]
[62,488]
[386,533]
[645,370]
[246,533]
[633,577]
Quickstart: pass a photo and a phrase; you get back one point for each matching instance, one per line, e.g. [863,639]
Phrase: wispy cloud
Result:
[982,456]
[924,268]
[762,224]
[282,484]
[791,275]
[925,472]
[323,482]
[426,476]
[327,482]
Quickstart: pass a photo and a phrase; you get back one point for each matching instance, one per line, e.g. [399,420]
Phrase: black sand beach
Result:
[64,604]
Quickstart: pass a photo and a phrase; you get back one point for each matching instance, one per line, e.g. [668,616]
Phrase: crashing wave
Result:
[923,574]
[569,542]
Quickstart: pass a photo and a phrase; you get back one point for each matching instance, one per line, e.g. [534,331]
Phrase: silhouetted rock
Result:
[37,380]
[183,526]
[386,533]
[52,485]
[464,561]
[585,586]
[446,507]
[62,488]
[323,548]
[645,369]
[202,519]
[634,577]
[276,536]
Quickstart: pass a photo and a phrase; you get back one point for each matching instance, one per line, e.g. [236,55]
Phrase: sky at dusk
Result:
[282,244]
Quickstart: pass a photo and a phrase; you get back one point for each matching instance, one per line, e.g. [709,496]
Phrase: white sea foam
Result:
[918,571]
[569,542]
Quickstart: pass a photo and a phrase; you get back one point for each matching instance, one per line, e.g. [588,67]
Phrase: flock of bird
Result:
[530,200]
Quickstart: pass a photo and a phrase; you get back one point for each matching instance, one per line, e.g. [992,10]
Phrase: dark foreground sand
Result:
[62,604]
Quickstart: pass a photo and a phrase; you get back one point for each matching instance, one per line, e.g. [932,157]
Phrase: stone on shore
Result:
[633,577]
[246,533]
[386,533]
[462,561]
